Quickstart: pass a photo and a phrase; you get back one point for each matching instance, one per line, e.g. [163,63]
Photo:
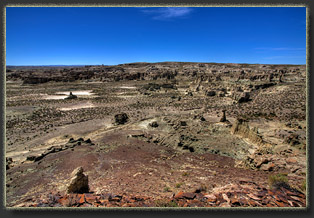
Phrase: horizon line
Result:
[9,65]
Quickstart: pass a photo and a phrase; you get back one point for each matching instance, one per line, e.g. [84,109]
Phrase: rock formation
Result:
[71,96]
[245,97]
[79,182]
[223,117]
[121,118]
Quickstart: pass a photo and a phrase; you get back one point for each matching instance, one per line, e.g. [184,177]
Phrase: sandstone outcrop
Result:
[79,182]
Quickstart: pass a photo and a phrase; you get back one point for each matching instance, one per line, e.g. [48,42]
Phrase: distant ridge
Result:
[145,63]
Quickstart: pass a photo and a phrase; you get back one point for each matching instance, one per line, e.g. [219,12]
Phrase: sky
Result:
[117,35]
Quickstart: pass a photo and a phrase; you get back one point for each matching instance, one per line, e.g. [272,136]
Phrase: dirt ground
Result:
[189,148]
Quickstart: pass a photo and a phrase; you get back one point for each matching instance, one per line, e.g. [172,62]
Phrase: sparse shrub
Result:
[201,188]
[278,180]
[185,174]
[178,185]
[303,186]
[165,203]
[167,189]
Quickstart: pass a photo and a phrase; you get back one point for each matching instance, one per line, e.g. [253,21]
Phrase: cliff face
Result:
[164,70]
[241,128]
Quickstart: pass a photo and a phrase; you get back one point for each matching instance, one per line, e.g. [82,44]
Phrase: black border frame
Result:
[165,212]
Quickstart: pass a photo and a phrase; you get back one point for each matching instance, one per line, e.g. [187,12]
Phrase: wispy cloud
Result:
[281,49]
[167,13]
[283,57]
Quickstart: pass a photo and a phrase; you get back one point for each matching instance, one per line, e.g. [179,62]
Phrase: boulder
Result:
[88,141]
[154,124]
[245,97]
[211,93]
[268,167]
[121,118]
[79,182]
[183,123]
[31,158]
[9,161]
[260,161]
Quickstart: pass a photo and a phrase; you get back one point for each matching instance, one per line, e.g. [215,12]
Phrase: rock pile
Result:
[71,144]
[243,194]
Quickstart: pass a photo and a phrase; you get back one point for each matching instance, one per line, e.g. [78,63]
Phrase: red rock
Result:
[199,195]
[280,204]
[189,195]
[82,199]
[179,195]
[243,201]
[301,200]
[260,160]
[282,198]
[253,203]
[195,201]
[86,205]
[268,167]
[90,198]
[291,203]
[292,193]
[63,200]
[132,201]
[136,198]
[225,204]
[291,160]
[234,200]
[186,195]
[211,198]
[181,203]
[220,199]
[244,180]
[104,202]
[116,199]
[253,197]
[225,197]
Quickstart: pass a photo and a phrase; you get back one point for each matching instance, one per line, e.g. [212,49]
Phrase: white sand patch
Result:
[78,92]
[55,97]
[145,124]
[125,96]
[64,95]
[17,156]
[128,87]
[77,106]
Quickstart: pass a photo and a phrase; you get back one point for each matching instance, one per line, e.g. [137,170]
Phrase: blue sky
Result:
[110,35]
